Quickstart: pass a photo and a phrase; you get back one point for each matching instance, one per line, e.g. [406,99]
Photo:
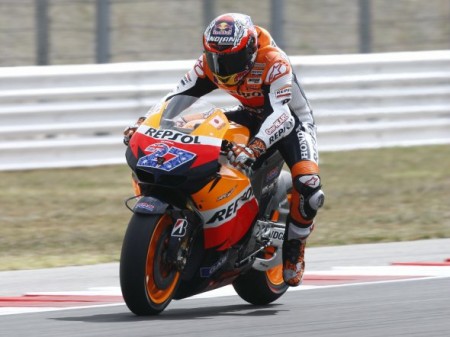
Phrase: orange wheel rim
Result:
[157,293]
[275,275]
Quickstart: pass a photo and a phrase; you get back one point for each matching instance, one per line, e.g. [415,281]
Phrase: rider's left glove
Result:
[243,157]
[130,130]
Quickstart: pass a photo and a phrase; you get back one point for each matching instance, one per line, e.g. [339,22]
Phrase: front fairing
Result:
[161,153]
[173,160]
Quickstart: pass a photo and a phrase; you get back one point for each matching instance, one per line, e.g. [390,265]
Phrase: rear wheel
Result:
[261,287]
[148,281]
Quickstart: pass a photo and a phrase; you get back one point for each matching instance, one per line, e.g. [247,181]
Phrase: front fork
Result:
[184,221]
[181,237]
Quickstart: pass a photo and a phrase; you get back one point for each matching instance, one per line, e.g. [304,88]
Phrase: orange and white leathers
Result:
[276,110]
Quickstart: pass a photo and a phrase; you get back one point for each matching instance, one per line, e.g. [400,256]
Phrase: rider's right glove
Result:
[243,157]
[130,130]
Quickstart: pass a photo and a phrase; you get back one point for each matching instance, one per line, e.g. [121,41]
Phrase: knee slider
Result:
[311,195]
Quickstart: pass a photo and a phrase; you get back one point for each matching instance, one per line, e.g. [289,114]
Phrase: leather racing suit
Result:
[276,111]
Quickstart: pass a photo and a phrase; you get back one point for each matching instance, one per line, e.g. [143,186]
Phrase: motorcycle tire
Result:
[147,281]
[261,287]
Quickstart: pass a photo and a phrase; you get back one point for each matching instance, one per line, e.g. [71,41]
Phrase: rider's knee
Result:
[311,196]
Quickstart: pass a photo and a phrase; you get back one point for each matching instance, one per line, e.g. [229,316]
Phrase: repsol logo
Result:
[171,135]
[277,135]
[232,208]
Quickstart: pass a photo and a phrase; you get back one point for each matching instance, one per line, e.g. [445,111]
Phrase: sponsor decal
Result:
[277,135]
[272,174]
[254,80]
[305,153]
[198,68]
[311,181]
[277,235]
[217,122]
[224,33]
[278,123]
[165,157]
[149,205]
[276,71]
[223,28]
[246,94]
[226,195]
[256,72]
[179,229]
[283,93]
[172,135]
[231,209]
[185,80]
[222,40]
[145,205]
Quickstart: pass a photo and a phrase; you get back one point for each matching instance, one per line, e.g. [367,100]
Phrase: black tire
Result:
[148,283]
[259,287]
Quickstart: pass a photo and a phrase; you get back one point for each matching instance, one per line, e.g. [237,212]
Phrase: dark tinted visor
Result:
[228,64]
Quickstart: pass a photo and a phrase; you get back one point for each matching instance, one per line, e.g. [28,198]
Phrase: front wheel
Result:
[261,287]
[148,281]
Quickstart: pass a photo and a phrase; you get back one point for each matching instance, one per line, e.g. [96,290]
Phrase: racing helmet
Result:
[230,44]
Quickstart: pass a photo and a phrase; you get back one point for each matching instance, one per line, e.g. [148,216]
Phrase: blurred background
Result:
[50,32]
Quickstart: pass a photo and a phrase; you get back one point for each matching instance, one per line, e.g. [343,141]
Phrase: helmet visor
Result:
[228,64]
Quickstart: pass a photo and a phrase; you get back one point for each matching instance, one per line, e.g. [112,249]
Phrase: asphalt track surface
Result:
[412,306]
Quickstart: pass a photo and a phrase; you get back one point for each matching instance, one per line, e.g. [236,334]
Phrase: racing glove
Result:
[180,122]
[130,130]
[242,156]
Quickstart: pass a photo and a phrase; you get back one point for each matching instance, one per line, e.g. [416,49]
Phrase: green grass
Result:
[76,216]
[385,195]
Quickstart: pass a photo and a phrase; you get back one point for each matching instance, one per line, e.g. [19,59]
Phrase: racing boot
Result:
[294,251]
[293,261]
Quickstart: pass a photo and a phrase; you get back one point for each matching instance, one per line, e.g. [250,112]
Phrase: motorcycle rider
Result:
[243,59]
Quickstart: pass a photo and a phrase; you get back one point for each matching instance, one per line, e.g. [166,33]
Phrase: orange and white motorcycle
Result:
[199,223]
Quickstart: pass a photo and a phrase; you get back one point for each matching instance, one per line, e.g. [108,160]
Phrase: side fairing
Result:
[228,206]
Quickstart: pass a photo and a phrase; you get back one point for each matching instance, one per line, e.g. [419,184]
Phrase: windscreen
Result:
[183,112]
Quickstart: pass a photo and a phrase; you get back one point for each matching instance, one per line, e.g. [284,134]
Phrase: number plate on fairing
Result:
[164,157]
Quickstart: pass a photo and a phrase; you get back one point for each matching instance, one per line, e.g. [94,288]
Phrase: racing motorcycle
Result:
[199,223]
